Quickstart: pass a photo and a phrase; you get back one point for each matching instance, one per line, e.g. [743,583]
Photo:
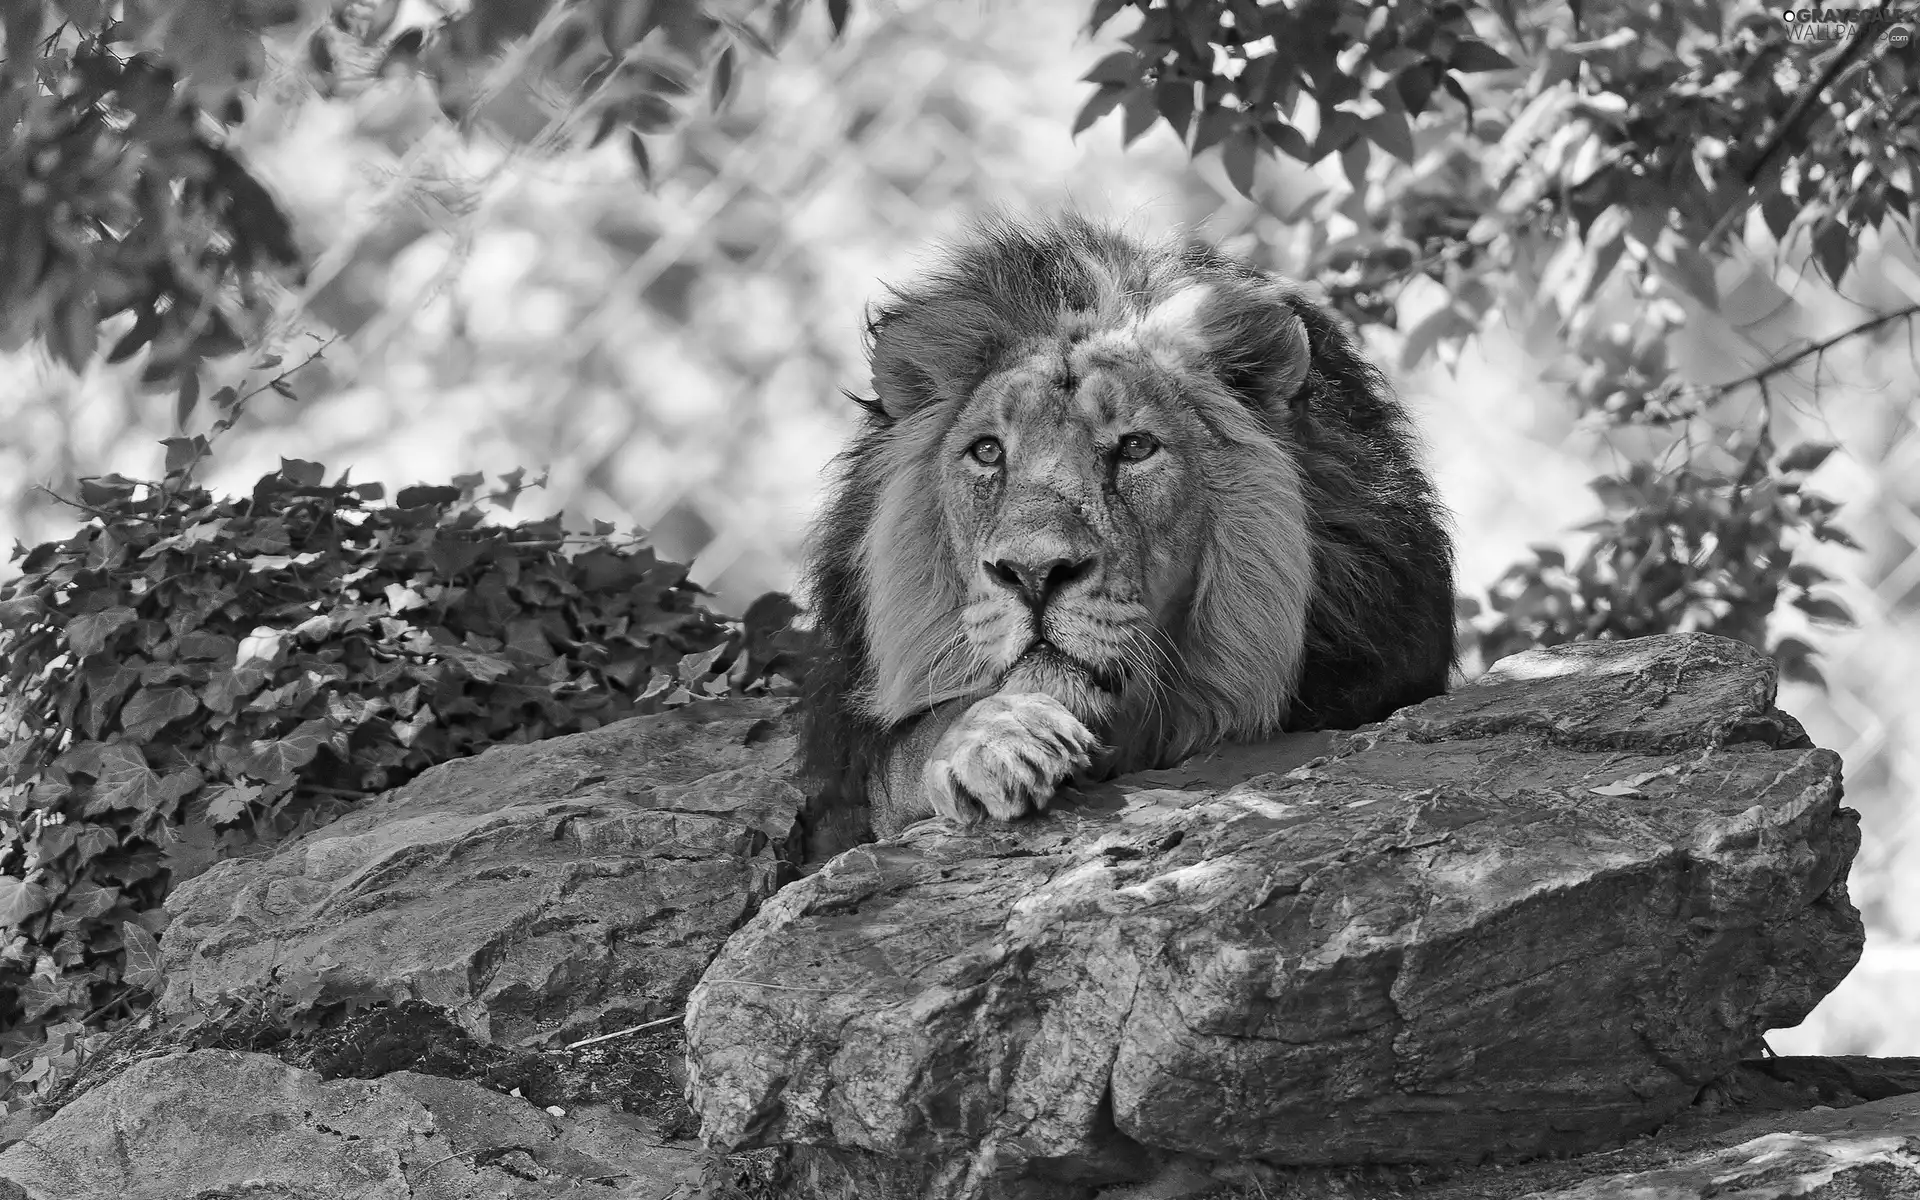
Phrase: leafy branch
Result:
[189,675]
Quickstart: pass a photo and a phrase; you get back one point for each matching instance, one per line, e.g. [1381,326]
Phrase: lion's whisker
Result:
[933,669]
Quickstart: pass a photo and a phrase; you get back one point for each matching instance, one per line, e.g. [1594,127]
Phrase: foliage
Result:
[189,674]
[1676,551]
[1607,158]
[120,201]
[115,199]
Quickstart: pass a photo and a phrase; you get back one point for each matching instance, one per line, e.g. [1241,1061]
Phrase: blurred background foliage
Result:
[1646,272]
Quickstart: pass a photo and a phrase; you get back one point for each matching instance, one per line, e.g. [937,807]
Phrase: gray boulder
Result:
[552,888]
[1531,917]
[217,1123]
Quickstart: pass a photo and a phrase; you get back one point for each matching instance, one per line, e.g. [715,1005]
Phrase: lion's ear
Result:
[1246,335]
[925,353]
[895,343]
[900,386]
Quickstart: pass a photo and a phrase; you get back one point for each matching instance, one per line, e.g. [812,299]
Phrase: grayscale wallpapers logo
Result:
[1888,28]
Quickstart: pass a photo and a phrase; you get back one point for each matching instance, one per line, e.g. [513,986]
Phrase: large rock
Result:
[550,887]
[216,1123]
[1531,917]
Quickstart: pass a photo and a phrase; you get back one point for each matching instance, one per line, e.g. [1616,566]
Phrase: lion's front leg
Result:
[1005,756]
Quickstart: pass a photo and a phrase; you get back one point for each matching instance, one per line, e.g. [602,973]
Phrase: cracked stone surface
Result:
[565,886]
[1531,917]
[219,1123]
[1869,1151]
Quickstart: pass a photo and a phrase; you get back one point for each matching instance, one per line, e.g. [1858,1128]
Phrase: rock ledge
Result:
[1531,917]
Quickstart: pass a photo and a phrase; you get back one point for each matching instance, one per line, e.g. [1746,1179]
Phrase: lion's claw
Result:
[1005,756]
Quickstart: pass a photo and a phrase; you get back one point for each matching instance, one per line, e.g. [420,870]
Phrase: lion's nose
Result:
[1036,582]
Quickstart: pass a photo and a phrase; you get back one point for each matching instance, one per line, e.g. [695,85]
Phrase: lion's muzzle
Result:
[1036,579]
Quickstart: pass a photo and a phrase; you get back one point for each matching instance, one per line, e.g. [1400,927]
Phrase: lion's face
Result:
[1073,486]
[1096,510]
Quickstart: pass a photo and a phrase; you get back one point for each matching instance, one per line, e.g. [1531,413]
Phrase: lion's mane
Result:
[1379,625]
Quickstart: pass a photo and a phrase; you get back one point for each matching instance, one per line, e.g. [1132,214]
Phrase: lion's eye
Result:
[987,452]
[1137,446]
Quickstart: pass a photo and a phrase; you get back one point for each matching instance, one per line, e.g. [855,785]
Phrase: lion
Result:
[1113,504]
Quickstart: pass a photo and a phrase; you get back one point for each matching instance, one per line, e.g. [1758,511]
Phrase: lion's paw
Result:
[1005,756]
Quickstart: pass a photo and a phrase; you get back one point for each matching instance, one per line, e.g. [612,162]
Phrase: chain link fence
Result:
[675,357]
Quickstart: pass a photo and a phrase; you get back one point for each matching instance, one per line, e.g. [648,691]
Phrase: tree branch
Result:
[1791,126]
[1813,349]
[1797,115]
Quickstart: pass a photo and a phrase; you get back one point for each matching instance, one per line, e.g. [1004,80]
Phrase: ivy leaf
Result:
[122,780]
[301,473]
[19,900]
[152,709]
[145,966]
[282,758]
[484,668]
[125,781]
[201,644]
[262,646]
[91,841]
[84,901]
[20,612]
[107,683]
[695,667]
[183,452]
[231,801]
[225,691]
[40,996]
[87,634]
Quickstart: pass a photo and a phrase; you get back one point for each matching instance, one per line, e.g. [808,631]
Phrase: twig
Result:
[102,513]
[1762,445]
[1812,349]
[620,1033]
[778,987]
[238,408]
